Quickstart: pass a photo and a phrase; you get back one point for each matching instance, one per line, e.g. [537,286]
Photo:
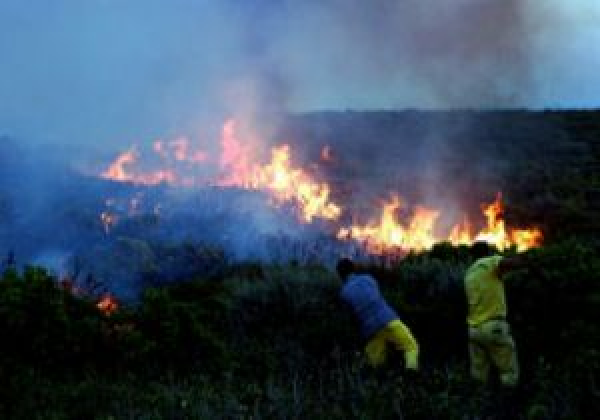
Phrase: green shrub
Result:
[275,341]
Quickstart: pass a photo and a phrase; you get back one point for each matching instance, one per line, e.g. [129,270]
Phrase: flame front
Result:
[289,184]
[117,171]
[285,183]
[495,233]
[239,166]
[388,234]
[177,155]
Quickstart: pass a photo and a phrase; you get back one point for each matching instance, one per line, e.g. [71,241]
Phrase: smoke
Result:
[109,72]
[468,53]
[83,81]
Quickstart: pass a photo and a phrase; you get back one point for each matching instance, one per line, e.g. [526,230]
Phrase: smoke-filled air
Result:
[228,122]
[300,209]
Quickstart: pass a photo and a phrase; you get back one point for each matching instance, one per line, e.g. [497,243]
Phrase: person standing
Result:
[490,338]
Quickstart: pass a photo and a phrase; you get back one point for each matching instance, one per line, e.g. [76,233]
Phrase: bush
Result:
[274,341]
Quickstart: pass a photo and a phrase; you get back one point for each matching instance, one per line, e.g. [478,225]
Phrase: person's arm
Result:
[515,262]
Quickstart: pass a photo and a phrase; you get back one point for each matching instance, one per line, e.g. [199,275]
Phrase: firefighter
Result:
[490,338]
[380,325]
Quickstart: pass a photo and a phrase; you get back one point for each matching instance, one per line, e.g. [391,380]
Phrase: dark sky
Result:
[120,71]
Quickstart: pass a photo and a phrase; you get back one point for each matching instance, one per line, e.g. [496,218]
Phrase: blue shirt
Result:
[362,293]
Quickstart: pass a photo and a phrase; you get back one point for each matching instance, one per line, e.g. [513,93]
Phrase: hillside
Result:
[547,164]
[205,335]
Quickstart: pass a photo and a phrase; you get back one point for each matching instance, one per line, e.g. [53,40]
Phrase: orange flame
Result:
[461,234]
[388,234]
[235,158]
[289,184]
[525,239]
[118,172]
[107,304]
[278,177]
[175,151]
[239,167]
[495,233]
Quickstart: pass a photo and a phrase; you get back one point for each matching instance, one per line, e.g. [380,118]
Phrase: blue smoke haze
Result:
[110,72]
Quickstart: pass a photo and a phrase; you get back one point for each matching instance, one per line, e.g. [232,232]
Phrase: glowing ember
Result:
[108,220]
[107,304]
[326,154]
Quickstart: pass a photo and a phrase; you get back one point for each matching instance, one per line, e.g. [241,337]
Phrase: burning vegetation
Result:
[215,331]
[418,234]
[107,304]
[287,184]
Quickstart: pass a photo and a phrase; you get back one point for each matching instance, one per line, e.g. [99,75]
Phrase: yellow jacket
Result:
[485,291]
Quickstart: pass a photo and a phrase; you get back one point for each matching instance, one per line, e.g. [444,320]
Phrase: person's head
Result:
[481,249]
[344,267]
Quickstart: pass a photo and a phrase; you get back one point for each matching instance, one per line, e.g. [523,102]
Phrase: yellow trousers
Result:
[491,343]
[397,334]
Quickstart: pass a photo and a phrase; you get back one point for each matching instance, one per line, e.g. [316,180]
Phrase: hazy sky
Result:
[126,70]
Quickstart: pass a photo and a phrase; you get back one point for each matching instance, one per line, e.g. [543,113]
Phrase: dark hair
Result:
[481,249]
[344,267]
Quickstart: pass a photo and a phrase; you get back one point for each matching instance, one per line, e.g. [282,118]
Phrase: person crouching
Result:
[380,324]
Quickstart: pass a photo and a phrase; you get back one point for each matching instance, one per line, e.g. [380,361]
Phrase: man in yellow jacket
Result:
[490,339]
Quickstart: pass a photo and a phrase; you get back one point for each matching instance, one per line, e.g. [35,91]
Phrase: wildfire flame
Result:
[461,233]
[235,158]
[496,234]
[117,171]
[285,183]
[107,304]
[240,167]
[172,153]
[291,184]
[389,234]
